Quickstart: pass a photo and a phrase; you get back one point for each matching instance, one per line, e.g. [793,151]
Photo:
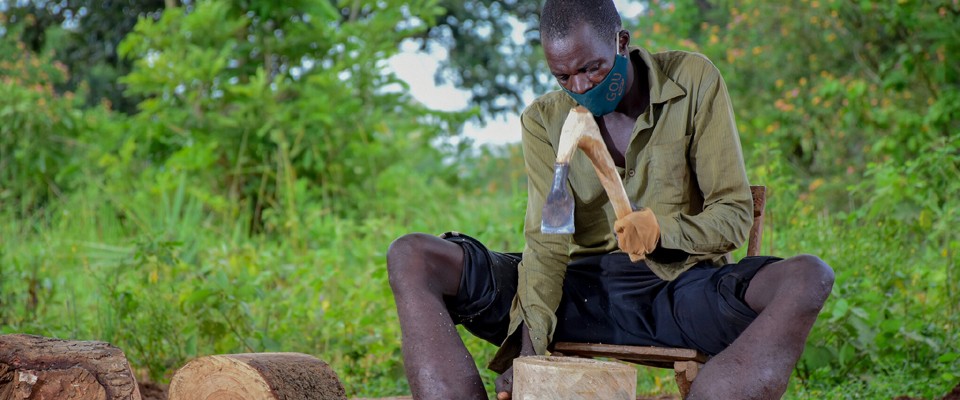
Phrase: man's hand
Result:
[504,383]
[638,233]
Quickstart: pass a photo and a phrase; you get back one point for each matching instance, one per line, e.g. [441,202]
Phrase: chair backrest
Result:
[756,230]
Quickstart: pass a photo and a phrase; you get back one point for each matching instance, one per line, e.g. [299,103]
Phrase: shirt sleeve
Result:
[716,160]
[545,257]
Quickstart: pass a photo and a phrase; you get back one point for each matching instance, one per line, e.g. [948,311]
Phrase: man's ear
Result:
[623,41]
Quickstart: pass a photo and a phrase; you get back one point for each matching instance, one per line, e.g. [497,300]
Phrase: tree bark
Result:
[39,368]
[546,377]
[288,376]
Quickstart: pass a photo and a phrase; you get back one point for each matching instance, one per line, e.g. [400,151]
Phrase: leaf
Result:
[840,308]
[196,297]
[948,357]
[815,357]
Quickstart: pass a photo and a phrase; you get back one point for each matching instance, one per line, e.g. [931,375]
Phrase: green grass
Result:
[166,277]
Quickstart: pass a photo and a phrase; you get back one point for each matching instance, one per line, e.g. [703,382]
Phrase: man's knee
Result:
[404,257]
[804,281]
[406,247]
[423,260]
[813,278]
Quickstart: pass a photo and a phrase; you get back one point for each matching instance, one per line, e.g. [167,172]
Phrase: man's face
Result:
[581,60]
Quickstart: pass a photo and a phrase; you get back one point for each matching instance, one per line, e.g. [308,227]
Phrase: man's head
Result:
[559,18]
[581,40]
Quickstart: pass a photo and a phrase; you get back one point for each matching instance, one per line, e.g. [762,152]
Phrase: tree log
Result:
[546,377]
[261,376]
[39,368]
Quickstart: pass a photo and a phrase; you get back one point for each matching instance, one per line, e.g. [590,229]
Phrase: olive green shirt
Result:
[683,161]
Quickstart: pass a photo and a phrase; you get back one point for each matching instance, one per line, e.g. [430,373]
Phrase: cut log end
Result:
[39,368]
[547,377]
[290,376]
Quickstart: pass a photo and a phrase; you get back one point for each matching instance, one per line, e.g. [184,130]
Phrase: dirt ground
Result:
[154,391]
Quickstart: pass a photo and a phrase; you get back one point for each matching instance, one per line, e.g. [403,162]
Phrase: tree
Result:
[484,57]
[271,104]
[84,35]
[259,102]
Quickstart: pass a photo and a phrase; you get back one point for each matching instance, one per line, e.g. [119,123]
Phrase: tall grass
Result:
[166,278]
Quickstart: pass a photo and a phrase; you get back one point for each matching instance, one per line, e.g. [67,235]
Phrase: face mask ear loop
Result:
[617,48]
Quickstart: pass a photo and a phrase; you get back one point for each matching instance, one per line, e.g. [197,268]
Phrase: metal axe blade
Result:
[580,130]
[557,216]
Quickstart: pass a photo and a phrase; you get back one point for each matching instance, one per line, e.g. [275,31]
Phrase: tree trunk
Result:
[39,368]
[545,377]
[266,376]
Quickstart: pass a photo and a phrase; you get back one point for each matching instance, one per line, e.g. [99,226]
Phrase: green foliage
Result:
[83,35]
[268,106]
[249,203]
[848,112]
[41,131]
[842,96]
[255,118]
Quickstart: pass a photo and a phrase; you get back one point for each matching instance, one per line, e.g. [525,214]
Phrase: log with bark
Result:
[39,368]
[262,376]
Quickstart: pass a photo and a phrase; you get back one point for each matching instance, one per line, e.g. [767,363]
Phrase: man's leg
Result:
[422,269]
[788,296]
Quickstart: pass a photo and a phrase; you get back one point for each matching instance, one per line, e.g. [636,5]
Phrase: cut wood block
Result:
[260,376]
[548,377]
[39,368]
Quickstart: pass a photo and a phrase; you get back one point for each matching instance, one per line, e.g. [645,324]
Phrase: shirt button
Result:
[631,173]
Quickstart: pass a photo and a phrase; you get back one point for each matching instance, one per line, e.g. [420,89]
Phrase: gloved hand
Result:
[638,233]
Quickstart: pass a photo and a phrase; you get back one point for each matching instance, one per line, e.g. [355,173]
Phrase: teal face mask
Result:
[604,98]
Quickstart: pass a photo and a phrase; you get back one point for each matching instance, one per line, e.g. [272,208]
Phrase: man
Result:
[668,123]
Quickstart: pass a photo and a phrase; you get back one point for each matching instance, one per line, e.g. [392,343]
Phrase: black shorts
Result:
[608,299]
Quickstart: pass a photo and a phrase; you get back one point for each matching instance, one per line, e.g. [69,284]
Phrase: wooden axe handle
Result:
[580,130]
[596,150]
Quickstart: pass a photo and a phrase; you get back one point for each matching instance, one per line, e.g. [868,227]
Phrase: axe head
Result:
[557,215]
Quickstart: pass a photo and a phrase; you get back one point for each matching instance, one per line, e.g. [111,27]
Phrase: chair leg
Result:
[685,372]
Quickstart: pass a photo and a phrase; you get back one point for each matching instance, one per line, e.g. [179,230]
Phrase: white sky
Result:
[418,68]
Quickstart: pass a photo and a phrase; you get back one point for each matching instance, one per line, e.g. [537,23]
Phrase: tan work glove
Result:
[638,233]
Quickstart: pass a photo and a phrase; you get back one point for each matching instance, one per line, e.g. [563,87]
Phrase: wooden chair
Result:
[686,363]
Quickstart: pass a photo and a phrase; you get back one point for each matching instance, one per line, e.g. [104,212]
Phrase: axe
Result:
[581,130]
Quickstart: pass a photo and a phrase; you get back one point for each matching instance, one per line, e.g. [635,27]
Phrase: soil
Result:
[954,394]
[152,391]
[662,397]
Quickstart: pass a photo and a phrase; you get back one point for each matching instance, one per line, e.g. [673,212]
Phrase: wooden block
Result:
[39,368]
[260,376]
[547,377]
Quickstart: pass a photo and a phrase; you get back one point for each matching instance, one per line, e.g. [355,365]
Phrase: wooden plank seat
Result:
[686,363]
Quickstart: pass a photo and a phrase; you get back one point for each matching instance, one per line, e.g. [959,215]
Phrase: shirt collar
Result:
[662,88]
